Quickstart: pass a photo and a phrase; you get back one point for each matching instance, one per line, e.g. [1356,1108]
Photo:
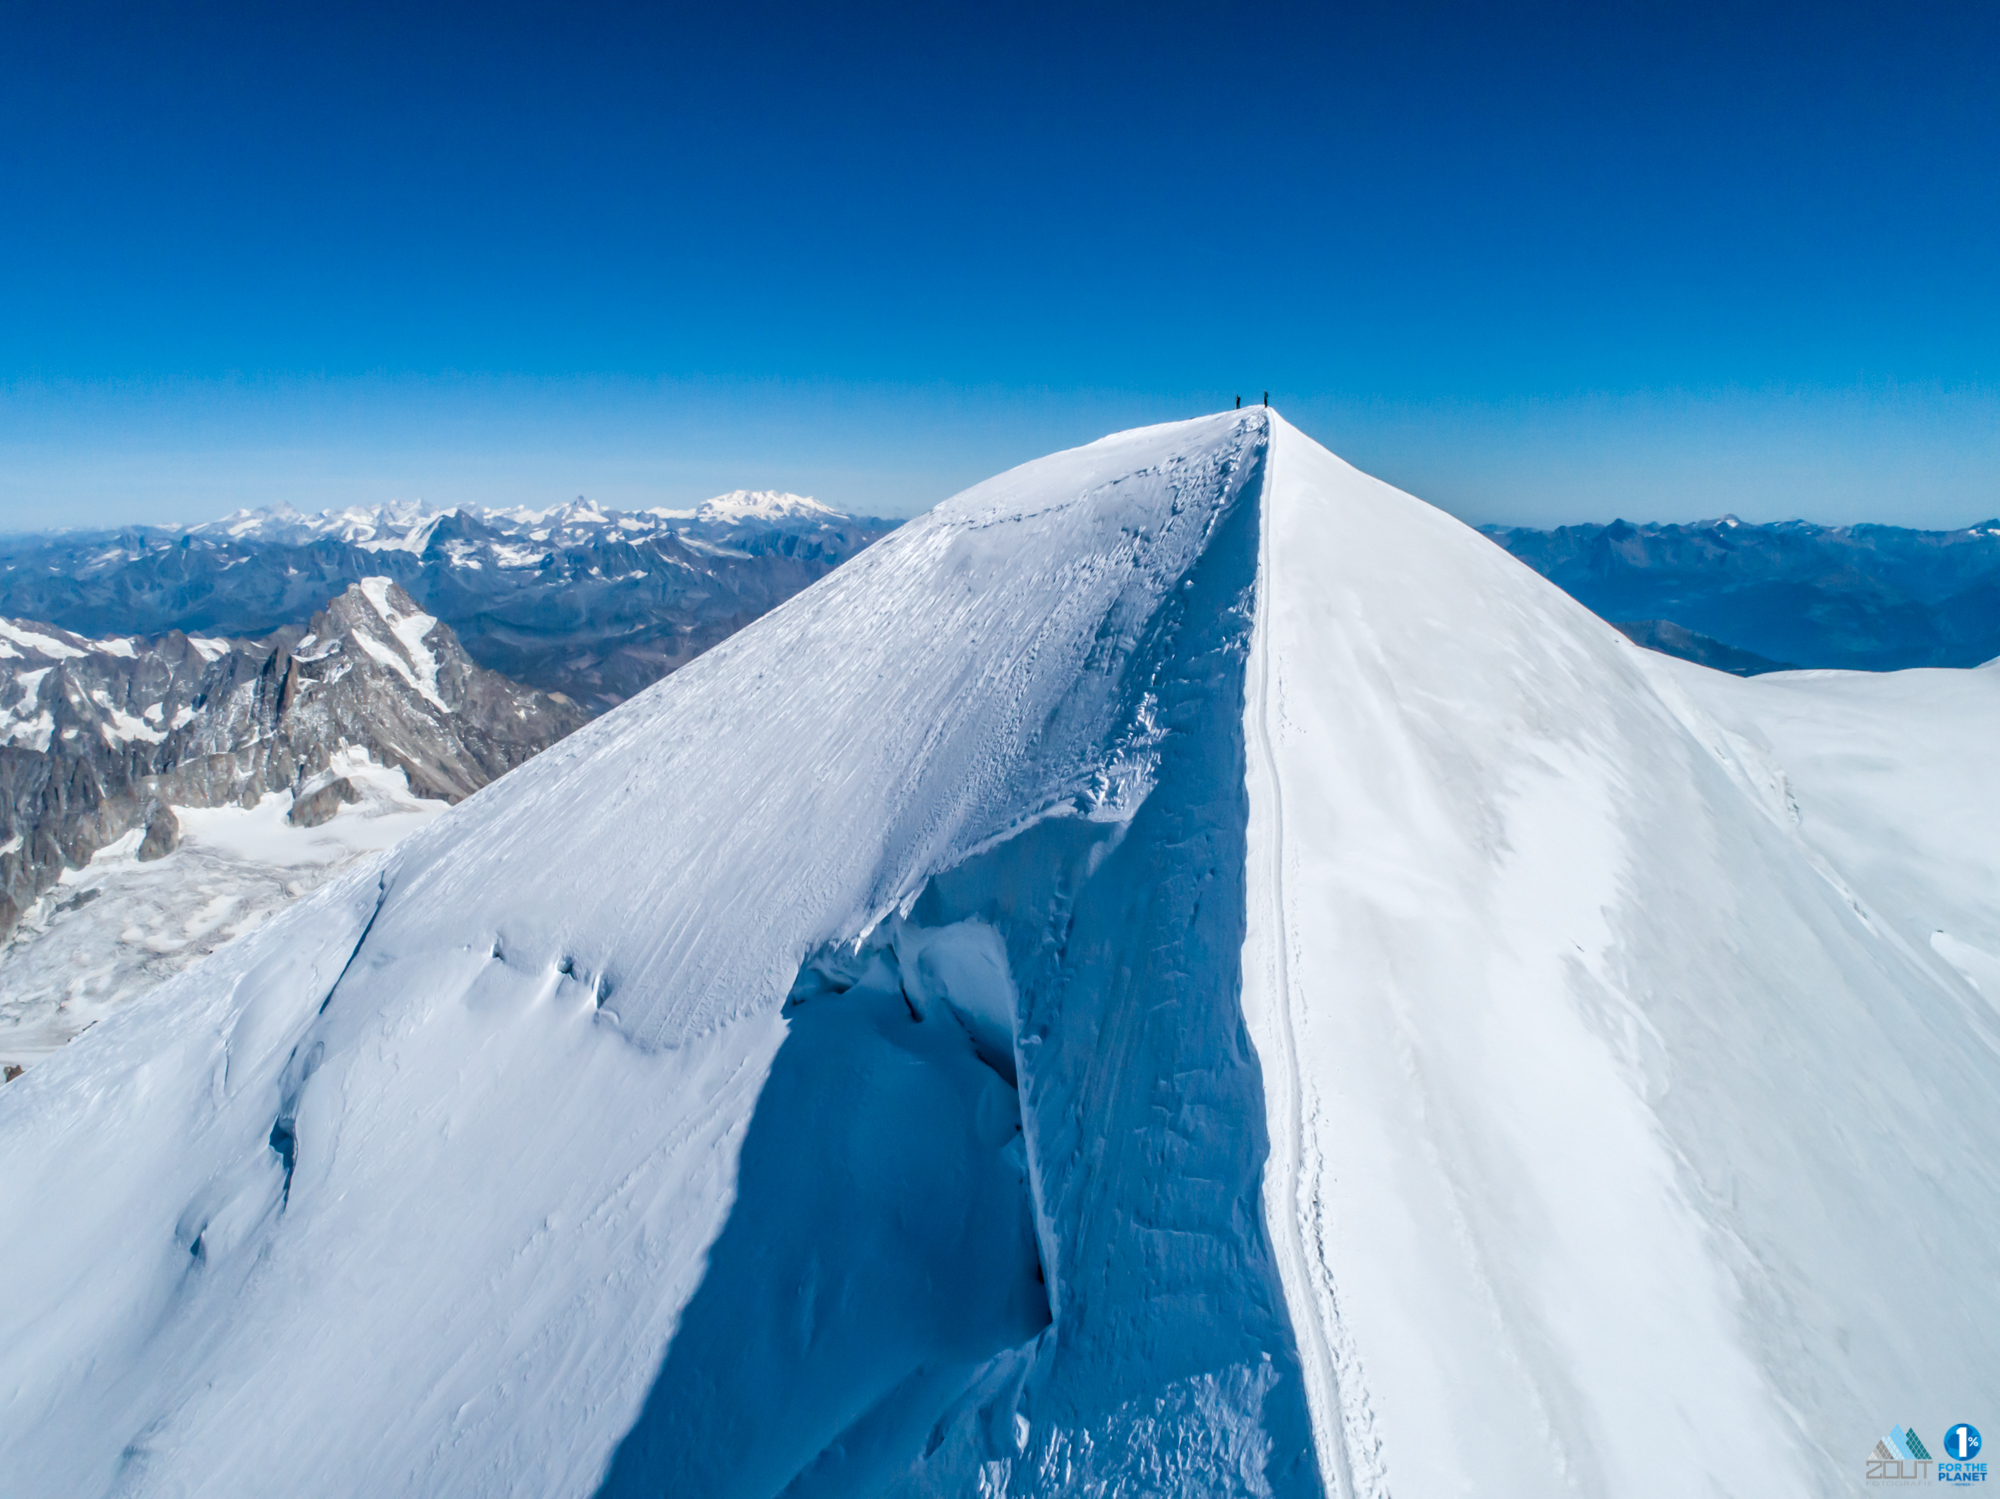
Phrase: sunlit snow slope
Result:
[1620,1148]
[1184,971]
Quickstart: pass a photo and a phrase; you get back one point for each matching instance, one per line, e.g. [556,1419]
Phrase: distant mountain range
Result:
[1751,598]
[596,604]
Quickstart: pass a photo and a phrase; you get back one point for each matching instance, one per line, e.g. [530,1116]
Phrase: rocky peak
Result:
[98,736]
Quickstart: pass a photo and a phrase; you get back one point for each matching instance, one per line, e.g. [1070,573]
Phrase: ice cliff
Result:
[1183,971]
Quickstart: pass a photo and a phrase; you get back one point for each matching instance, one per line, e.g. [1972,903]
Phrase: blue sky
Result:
[1534,263]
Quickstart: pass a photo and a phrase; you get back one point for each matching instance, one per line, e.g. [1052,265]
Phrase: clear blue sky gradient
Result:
[1535,263]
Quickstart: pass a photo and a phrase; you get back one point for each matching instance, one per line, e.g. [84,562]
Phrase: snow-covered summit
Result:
[769,506]
[1184,969]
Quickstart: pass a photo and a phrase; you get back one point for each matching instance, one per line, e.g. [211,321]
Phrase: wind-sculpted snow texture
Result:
[1183,972]
[1169,1366]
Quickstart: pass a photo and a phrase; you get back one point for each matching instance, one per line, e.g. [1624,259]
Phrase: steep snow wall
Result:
[1167,1350]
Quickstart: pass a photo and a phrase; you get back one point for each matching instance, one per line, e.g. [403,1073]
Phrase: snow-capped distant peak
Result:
[581,512]
[767,505]
[407,525]
[399,525]
[267,520]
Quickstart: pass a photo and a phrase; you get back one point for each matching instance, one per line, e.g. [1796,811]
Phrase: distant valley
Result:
[1752,598]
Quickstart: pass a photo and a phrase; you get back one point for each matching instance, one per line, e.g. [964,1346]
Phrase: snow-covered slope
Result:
[1631,1156]
[1182,971]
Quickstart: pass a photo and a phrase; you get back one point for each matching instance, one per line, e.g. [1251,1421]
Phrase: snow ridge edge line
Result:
[1340,1415]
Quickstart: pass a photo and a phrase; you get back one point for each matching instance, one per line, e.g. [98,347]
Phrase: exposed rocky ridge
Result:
[99,736]
[594,603]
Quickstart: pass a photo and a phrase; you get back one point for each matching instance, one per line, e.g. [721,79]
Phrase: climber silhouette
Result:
[1239,403]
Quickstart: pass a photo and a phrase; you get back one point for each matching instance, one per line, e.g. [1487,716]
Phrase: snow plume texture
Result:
[1183,972]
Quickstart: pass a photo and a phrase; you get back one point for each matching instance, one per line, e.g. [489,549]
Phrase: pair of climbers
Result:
[1267,400]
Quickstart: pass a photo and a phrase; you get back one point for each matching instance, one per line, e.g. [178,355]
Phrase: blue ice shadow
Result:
[879,1251]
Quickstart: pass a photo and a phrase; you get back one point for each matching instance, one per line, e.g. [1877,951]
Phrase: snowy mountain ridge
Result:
[406,525]
[769,505]
[578,599]
[1234,986]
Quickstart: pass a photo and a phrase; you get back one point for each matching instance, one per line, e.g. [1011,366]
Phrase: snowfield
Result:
[1638,1154]
[116,928]
[1183,971]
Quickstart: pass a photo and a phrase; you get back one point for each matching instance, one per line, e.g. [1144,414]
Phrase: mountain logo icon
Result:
[1900,1457]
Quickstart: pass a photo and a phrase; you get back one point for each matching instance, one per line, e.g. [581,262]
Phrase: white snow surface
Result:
[40,643]
[109,932]
[767,505]
[1620,1146]
[1453,1051]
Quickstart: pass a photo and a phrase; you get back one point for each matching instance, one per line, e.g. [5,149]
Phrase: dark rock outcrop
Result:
[98,737]
[163,833]
[313,807]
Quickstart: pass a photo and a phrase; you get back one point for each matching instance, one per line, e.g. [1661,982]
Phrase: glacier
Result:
[1183,971]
